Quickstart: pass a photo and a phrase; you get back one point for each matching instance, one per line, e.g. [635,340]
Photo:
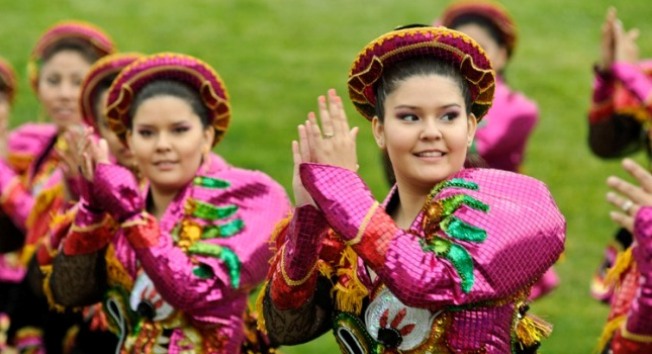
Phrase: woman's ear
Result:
[473,126]
[209,137]
[379,132]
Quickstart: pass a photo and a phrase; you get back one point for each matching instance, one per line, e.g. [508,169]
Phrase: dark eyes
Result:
[413,117]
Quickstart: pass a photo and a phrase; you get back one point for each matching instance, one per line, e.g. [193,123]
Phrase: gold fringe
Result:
[259,308]
[47,274]
[622,263]
[116,273]
[42,203]
[349,297]
[324,269]
[608,331]
[531,330]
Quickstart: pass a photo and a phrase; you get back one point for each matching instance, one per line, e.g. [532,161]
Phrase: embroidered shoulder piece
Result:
[439,217]
[216,222]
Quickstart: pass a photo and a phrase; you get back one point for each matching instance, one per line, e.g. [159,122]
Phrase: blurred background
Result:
[277,56]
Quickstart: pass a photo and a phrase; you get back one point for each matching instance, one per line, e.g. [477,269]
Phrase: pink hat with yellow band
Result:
[168,66]
[440,43]
[87,33]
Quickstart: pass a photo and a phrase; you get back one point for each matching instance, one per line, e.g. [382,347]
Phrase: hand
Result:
[625,47]
[94,154]
[629,198]
[336,146]
[607,43]
[300,154]
[71,157]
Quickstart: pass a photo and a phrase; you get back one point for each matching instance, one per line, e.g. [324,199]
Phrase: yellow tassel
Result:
[531,330]
[349,297]
[324,269]
[47,274]
[622,263]
[259,308]
[42,203]
[608,331]
[116,273]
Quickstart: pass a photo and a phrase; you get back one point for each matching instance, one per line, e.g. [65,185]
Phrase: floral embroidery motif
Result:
[442,229]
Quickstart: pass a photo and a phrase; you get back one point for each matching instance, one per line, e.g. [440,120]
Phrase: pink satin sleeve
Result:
[635,80]
[524,236]
[15,199]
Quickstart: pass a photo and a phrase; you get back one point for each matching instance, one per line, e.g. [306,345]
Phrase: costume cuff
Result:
[142,230]
[635,80]
[89,237]
[117,189]
[341,195]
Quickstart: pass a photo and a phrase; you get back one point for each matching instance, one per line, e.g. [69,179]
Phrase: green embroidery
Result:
[203,271]
[458,229]
[440,216]
[457,255]
[227,230]
[229,258]
[210,182]
[453,183]
[208,211]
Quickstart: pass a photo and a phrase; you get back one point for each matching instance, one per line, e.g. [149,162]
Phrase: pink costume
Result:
[629,328]
[181,284]
[31,168]
[621,106]
[453,282]
[502,136]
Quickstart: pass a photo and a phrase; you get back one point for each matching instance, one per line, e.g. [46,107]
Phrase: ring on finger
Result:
[328,135]
[627,206]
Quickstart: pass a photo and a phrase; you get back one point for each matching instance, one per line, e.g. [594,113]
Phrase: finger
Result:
[623,220]
[616,200]
[628,190]
[103,151]
[313,132]
[633,34]
[296,154]
[325,117]
[304,147]
[335,113]
[641,174]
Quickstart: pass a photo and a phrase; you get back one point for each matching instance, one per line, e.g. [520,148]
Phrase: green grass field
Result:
[277,56]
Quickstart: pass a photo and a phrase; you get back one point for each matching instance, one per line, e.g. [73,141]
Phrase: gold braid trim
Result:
[116,273]
[259,308]
[47,275]
[286,277]
[641,338]
[608,331]
[349,297]
[363,226]
[623,263]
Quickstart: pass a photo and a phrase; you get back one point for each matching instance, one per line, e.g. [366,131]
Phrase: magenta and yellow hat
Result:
[110,65]
[168,66]
[434,42]
[494,12]
[8,77]
[86,32]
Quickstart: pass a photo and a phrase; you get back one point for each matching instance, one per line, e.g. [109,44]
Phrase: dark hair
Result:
[4,88]
[72,44]
[422,66]
[102,86]
[176,89]
[494,32]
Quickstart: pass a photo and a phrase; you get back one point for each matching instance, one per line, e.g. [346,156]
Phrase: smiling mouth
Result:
[165,164]
[430,154]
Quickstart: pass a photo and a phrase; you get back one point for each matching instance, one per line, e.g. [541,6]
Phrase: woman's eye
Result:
[450,116]
[180,130]
[145,133]
[53,80]
[408,117]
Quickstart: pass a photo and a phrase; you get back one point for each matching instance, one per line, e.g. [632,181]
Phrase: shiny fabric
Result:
[502,136]
[196,307]
[632,299]
[524,236]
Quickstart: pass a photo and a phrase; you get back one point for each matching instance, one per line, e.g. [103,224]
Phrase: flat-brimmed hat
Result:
[95,37]
[168,66]
[110,65]
[493,12]
[441,43]
[8,78]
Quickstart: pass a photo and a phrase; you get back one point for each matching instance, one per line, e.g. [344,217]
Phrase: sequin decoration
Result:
[207,211]
[439,217]
[210,182]
[226,230]
[227,256]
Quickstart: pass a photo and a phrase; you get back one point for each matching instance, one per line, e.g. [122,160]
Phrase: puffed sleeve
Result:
[488,234]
